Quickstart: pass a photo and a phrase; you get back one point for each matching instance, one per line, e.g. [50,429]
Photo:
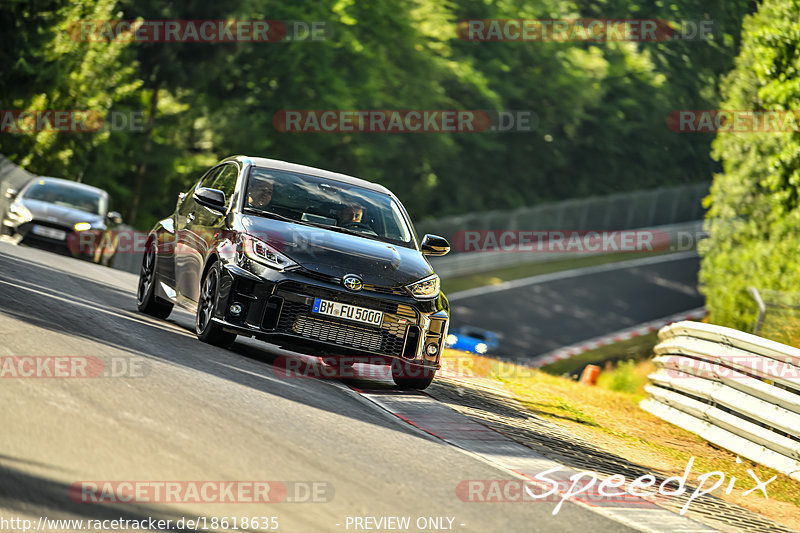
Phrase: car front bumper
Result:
[279,311]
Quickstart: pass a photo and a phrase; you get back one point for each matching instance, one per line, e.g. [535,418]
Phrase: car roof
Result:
[68,183]
[312,171]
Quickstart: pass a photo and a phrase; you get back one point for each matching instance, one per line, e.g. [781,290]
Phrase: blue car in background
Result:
[472,339]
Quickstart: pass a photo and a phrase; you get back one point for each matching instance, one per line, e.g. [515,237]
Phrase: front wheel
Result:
[207,330]
[146,300]
[408,376]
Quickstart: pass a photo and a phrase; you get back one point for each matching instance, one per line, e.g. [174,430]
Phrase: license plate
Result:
[50,233]
[348,312]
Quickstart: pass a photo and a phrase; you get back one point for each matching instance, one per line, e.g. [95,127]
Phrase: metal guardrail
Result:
[11,176]
[653,208]
[626,210]
[736,390]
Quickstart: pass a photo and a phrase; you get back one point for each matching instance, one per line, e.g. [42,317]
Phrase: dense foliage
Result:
[601,107]
[754,215]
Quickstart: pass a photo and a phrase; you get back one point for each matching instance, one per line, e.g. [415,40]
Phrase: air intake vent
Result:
[272,311]
[412,340]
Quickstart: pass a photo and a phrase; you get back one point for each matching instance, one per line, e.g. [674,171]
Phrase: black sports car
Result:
[309,260]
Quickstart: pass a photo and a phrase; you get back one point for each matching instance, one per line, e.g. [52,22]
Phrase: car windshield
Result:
[65,195]
[334,205]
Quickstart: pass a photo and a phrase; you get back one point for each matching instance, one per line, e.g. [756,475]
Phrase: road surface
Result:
[187,412]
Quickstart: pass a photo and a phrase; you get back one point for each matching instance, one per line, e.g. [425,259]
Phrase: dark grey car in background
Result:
[62,216]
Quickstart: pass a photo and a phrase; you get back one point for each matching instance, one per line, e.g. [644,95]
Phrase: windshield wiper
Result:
[276,216]
[340,229]
[270,214]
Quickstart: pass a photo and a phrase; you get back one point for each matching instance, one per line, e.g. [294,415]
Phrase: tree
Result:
[754,216]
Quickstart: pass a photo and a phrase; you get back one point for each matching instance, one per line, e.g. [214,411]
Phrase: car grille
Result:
[40,241]
[296,318]
[335,333]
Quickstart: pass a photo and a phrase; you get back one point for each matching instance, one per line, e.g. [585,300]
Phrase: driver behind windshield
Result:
[259,194]
[351,214]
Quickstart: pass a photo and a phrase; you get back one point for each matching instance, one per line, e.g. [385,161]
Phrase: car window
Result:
[328,203]
[66,196]
[225,181]
[209,178]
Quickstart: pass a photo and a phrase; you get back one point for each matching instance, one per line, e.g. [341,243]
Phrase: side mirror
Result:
[114,217]
[434,245]
[211,198]
[11,193]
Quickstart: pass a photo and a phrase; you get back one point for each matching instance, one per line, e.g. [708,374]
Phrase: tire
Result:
[408,376]
[208,331]
[146,300]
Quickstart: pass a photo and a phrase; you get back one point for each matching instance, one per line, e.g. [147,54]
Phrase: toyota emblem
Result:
[352,282]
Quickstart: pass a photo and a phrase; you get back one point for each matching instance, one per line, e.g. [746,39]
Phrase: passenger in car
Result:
[350,214]
[260,197]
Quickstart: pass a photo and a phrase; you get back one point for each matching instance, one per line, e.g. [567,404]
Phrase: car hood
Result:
[60,214]
[336,254]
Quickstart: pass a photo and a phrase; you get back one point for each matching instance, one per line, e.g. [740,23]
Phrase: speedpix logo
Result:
[559,486]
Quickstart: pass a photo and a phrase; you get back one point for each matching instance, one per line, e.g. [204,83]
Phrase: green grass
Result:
[626,377]
[609,416]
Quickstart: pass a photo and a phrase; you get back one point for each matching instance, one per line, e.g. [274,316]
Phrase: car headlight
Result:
[20,212]
[82,226]
[481,348]
[425,288]
[264,253]
[451,340]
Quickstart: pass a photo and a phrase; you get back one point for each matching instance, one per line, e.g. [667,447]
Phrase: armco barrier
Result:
[736,390]
[654,208]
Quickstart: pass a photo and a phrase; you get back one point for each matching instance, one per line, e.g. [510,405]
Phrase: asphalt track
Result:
[192,412]
[544,313]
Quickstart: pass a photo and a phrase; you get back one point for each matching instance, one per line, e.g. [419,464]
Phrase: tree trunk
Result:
[142,168]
